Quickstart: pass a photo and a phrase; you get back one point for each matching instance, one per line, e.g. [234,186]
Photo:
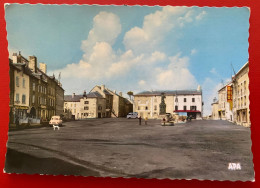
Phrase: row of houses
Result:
[33,94]
[233,99]
[100,102]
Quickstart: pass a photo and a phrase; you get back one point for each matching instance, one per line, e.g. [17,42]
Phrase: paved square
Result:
[201,149]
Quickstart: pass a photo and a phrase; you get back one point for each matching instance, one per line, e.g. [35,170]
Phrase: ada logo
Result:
[234,166]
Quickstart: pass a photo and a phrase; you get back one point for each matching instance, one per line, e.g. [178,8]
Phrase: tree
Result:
[130,93]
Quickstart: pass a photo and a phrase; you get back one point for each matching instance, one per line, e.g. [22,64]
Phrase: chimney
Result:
[199,88]
[33,63]
[73,95]
[43,67]
[15,59]
[114,91]
[84,93]
[102,87]
[120,94]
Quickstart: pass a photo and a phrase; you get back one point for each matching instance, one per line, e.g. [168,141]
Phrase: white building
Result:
[184,102]
[91,105]
[225,110]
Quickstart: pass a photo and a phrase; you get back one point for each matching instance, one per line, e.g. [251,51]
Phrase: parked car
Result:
[56,120]
[132,115]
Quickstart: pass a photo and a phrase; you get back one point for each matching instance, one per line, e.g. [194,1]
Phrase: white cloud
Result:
[177,75]
[106,28]
[156,26]
[142,57]
[193,52]
[201,15]
[142,83]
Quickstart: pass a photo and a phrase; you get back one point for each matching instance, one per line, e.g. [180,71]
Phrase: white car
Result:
[56,120]
[132,115]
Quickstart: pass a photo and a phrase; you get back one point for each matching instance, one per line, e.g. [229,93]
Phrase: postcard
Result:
[129,91]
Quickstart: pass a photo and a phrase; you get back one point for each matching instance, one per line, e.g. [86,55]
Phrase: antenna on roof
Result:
[59,77]
[233,69]
[233,72]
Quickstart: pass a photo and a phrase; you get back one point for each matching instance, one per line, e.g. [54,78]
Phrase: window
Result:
[193,99]
[33,99]
[185,100]
[176,108]
[70,105]
[184,107]
[39,88]
[33,86]
[17,97]
[155,99]
[23,83]
[86,102]
[86,108]
[85,114]
[17,81]
[146,108]
[138,107]
[75,105]
[23,99]
[176,99]
[99,107]
[194,108]
[155,107]
[74,110]
[245,100]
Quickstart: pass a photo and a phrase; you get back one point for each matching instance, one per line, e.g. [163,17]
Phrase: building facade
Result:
[116,104]
[29,88]
[214,107]
[91,105]
[233,99]
[225,105]
[241,109]
[186,102]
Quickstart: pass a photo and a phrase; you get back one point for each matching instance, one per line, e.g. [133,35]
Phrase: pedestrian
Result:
[145,120]
[17,122]
[140,120]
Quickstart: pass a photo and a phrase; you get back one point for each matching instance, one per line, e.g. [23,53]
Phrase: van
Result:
[132,115]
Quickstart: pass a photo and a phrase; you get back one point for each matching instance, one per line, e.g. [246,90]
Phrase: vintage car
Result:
[132,115]
[56,120]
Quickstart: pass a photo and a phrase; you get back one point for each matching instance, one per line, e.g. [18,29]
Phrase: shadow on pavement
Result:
[21,163]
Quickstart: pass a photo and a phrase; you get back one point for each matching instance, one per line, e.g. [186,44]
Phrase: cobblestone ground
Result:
[199,149]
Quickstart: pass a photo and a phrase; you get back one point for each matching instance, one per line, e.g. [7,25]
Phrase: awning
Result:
[186,111]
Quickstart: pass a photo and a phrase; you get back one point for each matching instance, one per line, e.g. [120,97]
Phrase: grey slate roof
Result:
[169,92]
[76,98]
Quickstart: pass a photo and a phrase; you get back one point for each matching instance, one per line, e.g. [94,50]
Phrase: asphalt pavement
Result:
[119,147]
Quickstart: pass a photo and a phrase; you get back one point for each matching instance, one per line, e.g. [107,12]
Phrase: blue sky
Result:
[133,47]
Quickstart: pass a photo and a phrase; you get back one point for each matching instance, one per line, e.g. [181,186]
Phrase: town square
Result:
[123,148]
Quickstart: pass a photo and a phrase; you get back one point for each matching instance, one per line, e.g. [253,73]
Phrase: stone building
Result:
[59,98]
[21,91]
[225,106]
[187,102]
[91,105]
[215,113]
[116,104]
[241,109]
[29,87]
